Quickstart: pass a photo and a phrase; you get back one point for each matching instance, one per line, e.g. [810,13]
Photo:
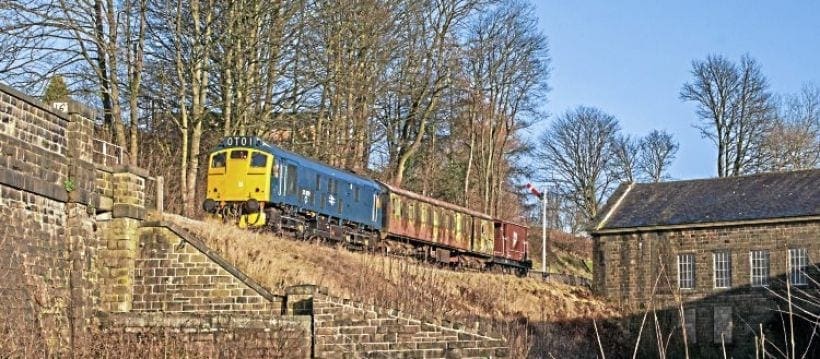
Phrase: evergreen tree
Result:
[56,90]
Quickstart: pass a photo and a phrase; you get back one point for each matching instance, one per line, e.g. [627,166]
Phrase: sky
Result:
[631,58]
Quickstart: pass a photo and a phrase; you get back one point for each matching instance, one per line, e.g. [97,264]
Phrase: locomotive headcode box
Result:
[241,141]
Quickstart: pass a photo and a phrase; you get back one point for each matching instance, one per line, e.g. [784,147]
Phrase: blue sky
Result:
[630,59]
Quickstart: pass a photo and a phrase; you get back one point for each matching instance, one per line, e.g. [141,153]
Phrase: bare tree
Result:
[575,153]
[656,152]
[97,45]
[420,76]
[506,68]
[734,104]
[134,26]
[625,150]
[792,141]
[255,44]
[352,44]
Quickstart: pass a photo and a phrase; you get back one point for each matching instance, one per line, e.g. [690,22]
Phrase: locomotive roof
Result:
[434,201]
[258,143]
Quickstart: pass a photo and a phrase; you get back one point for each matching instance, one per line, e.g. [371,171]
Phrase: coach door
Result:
[289,181]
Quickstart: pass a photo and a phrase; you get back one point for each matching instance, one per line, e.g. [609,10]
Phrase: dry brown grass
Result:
[512,306]
[568,253]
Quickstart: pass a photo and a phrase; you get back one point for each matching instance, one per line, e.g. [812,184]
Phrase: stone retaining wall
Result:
[178,274]
[83,274]
[343,327]
[46,236]
[205,335]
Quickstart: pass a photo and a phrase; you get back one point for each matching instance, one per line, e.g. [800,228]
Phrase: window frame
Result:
[690,270]
[223,156]
[802,263]
[240,154]
[291,179]
[254,156]
[759,276]
[722,269]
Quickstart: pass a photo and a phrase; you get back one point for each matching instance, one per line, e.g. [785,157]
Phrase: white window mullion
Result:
[797,266]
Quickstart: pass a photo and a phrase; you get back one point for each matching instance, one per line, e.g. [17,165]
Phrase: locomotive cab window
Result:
[218,160]
[356,194]
[259,160]
[239,154]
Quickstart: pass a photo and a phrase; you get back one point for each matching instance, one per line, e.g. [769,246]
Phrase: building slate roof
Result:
[729,199]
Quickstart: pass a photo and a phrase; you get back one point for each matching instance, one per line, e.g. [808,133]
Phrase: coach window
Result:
[218,160]
[259,160]
[396,207]
[331,186]
[318,181]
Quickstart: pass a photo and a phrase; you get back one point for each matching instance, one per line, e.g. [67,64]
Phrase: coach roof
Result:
[784,195]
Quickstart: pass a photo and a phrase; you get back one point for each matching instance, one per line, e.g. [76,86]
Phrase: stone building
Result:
[717,257]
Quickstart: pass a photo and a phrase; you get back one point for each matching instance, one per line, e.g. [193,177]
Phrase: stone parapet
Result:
[346,327]
[207,335]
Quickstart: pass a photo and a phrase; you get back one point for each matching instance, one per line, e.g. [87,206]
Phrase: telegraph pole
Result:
[542,196]
[544,232]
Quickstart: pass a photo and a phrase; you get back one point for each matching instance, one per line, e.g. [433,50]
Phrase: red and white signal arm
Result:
[533,190]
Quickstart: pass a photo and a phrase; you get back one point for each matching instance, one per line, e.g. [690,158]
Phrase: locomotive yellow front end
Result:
[239,182]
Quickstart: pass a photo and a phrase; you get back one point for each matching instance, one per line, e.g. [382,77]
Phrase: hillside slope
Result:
[537,318]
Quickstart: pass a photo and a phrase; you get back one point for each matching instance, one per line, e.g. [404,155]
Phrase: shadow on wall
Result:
[742,321]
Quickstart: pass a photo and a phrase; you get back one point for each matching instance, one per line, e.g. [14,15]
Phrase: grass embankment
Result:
[525,310]
[568,254]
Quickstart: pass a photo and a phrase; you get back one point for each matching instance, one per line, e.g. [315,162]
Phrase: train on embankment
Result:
[263,186]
